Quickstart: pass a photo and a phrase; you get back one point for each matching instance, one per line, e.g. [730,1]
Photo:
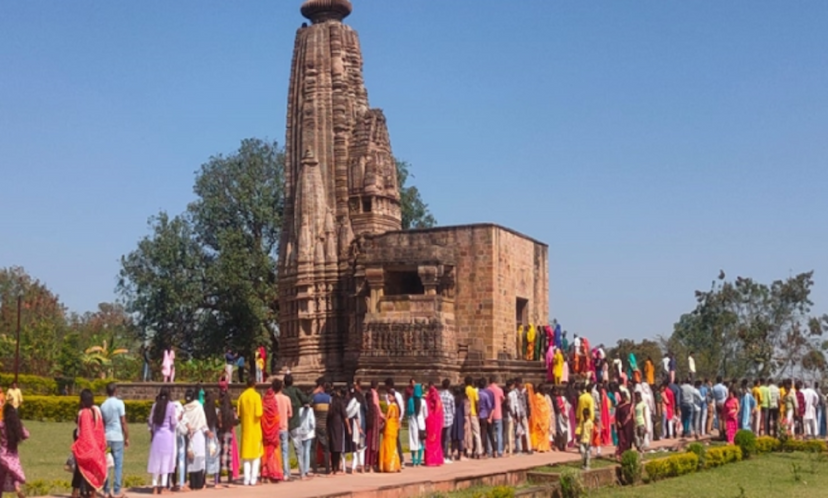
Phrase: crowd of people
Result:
[587,403]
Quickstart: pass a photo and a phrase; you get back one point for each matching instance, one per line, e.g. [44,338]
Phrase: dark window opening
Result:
[401,283]
[522,311]
[366,205]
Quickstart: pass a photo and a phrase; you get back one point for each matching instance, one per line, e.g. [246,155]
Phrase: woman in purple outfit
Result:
[162,456]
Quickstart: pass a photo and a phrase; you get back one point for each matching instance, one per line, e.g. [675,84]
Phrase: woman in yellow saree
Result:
[530,342]
[389,460]
[539,418]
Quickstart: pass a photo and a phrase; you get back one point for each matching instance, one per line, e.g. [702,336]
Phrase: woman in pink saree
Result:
[550,363]
[731,411]
[434,429]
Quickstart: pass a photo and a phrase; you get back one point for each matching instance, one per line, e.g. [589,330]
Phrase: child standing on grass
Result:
[586,429]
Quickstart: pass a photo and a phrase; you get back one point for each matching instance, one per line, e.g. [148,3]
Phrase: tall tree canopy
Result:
[746,328]
[415,212]
[206,280]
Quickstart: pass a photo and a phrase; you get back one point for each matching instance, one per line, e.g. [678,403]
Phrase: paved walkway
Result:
[356,483]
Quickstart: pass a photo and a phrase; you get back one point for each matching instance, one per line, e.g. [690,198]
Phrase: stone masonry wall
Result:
[521,271]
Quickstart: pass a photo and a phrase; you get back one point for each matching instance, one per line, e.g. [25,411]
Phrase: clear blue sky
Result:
[649,143]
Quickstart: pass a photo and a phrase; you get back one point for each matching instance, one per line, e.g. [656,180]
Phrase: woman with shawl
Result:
[89,449]
[373,425]
[550,363]
[558,368]
[389,459]
[530,342]
[272,458]
[162,425]
[538,420]
[355,410]
[337,425]
[213,449]
[561,419]
[434,429]
[12,433]
[552,419]
[458,428]
[747,407]
[606,420]
[195,422]
[417,413]
[633,365]
[624,425]
[227,421]
[731,411]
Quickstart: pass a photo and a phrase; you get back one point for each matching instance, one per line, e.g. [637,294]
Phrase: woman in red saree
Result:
[606,419]
[272,459]
[434,429]
[89,449]
[731,411]
[373,426]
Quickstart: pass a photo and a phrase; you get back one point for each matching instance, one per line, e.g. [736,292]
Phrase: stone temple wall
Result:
[485,270]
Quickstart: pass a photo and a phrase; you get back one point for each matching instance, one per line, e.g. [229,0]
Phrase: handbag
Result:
[69,464]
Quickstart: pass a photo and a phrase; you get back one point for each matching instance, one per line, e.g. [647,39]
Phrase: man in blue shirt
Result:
[485,411]
[704,391]
[113,412]
[719,397]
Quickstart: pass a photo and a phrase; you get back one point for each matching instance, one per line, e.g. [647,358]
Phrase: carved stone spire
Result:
[332,136]
[326,10]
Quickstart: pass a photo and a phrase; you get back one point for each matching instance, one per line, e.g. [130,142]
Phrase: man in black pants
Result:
[447,398]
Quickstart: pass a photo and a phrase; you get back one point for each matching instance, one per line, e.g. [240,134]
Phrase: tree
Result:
[206,280]
[746,328]
[43,322]
[103,358]
[163,283]
[415,212]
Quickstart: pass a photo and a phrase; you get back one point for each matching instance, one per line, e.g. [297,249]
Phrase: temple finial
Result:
[326,10]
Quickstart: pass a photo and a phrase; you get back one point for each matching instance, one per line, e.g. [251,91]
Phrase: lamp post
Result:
[17,345]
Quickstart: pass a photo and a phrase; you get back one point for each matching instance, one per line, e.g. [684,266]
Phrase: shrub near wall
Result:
[672,466]
[767,444]
[65,408]
[45,386]
[716,457]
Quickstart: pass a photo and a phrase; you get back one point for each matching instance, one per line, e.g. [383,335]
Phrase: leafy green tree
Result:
[163,282]
[746,328]
[43,323]
[415,212]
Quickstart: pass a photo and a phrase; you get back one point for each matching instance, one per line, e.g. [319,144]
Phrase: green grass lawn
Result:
[49,444]
[778,474]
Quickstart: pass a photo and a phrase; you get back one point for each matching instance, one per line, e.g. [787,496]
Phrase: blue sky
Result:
[650,144]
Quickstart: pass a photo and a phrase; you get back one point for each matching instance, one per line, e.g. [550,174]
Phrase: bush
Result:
[501,492]
[630,467]
[813,446]
[672,466]
[65,409]
[572,486]
[767,444]
[716,457]
[699,451]
[31,384]
[746,440]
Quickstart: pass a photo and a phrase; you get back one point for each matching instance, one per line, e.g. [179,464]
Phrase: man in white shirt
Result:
[810,417]
[665,365]
[691,365]
[618,366]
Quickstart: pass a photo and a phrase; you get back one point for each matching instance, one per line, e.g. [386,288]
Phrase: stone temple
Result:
[359,296]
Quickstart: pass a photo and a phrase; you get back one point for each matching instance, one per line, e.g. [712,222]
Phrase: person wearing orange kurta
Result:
[649,371]
[250,415]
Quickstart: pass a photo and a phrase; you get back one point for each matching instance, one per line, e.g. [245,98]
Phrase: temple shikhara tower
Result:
[358,296]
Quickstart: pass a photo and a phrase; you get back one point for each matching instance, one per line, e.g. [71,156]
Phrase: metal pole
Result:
[17,346]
